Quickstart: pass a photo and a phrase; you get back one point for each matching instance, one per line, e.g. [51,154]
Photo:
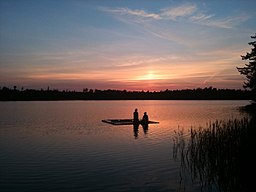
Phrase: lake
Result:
[64,146]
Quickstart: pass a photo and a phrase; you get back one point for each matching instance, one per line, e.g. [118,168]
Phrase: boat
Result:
[126,122]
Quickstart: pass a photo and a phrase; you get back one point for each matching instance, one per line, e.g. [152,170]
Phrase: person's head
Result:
[136,109]
[145,113]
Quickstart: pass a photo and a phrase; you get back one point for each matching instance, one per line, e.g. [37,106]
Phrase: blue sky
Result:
[133,45]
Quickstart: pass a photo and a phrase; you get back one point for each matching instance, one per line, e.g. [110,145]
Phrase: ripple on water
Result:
[64,146]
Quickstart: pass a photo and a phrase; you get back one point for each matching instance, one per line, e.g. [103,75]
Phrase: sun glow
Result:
[150,76]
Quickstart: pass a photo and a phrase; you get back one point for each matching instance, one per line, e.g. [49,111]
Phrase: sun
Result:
[150,75]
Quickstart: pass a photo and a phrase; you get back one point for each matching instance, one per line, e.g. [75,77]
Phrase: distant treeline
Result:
[208,93]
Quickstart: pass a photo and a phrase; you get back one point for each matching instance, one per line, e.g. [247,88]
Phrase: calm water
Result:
[64,146]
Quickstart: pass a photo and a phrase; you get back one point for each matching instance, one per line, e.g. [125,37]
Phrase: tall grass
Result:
[219,155]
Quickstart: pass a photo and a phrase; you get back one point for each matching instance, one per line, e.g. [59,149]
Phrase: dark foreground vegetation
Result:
[220,157]
[208,93]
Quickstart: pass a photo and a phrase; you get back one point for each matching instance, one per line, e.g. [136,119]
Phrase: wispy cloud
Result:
[190,12]
[209,20]
[140,62]
[130,12]
[180,11]
[200,17]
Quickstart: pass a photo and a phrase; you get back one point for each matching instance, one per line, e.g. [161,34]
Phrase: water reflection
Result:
[218,157]
[65,145]
[145,128]
[136,129]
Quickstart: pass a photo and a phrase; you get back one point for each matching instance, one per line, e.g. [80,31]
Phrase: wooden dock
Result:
[125,122]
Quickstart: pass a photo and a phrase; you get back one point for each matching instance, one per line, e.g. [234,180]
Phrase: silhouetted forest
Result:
[208,93]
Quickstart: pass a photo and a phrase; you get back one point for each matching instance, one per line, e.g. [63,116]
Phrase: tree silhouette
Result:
[250,69]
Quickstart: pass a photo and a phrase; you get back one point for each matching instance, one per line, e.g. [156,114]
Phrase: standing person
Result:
[136,116]
[145,118]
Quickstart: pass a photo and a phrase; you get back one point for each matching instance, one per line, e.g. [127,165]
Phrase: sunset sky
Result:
[124,44]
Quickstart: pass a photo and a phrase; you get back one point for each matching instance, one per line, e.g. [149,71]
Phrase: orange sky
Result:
[105,45]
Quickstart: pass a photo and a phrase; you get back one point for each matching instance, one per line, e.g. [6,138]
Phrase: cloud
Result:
[190,12]
[139,62]
[200,17]
[209,20]
[167,13]
[180,11]
[130,12]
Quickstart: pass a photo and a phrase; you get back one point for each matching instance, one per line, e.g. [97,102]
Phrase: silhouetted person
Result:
[145,118]
[136,116]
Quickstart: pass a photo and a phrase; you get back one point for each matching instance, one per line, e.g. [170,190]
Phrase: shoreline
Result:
[185,94]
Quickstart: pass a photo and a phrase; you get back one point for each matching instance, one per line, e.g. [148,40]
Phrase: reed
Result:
[218,156]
